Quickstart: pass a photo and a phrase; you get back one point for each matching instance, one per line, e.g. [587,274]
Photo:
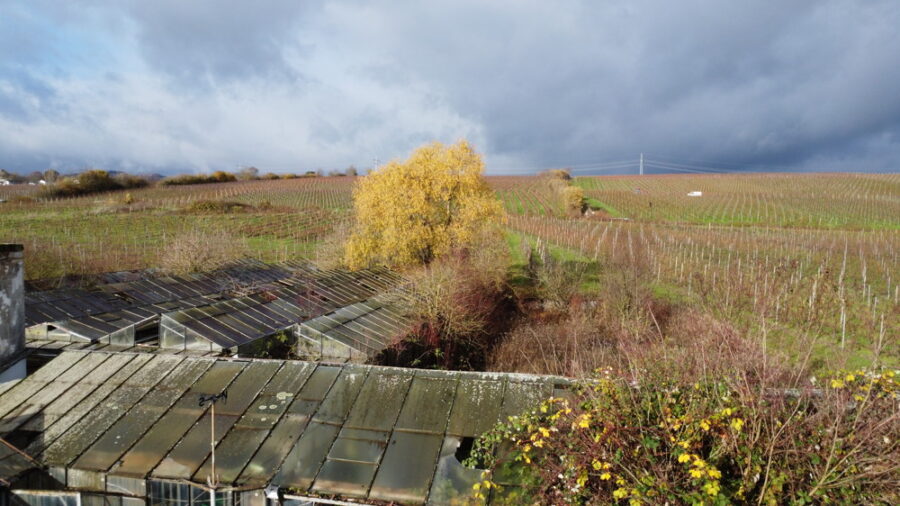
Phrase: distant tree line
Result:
[248,174]
[91,181]
[48,176]
[56,185]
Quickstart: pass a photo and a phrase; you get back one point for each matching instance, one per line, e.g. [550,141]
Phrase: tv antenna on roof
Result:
[212,480]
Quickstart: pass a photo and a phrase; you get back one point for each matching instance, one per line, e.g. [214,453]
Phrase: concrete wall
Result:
[12,302]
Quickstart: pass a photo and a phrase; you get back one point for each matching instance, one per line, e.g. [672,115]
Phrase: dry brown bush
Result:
[461,306]
[573,346]
[329,253]
[198,250]
[677,342]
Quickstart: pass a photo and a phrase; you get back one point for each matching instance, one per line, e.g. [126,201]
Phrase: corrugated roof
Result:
[113,295]
[229,307]
[360,431]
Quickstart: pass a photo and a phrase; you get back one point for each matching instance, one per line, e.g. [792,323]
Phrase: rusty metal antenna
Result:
[212,480]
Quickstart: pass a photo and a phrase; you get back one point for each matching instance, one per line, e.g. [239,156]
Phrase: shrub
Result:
[461,306]
[713,442]
[329,253]
[184,179]
[562,174]
[573,199]
[130,181]
[199,250]
[216,206]
[89,182]
[572,346]
[416,211]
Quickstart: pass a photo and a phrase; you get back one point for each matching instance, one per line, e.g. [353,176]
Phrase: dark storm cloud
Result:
[287,85]
[210,39]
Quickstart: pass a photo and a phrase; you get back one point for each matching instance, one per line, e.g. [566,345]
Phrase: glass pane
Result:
[303,462]
[164,493]
[121,436]
[408,466]
[427,405]
[380,400]
[524,395]
[80,436]
[476,407]
[154,445]
[345,478]
[452,481]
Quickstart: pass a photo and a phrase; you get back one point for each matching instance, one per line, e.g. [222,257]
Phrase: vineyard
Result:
[281,220]
[834,201]
[804,262]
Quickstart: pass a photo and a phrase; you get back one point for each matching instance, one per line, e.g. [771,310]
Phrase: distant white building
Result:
[4,182]
[695,194]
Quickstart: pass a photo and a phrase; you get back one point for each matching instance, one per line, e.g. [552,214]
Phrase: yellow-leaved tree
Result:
[414,211]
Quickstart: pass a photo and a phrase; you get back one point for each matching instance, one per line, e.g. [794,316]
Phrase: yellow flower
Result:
[696,473]
[737,423]
[539,443]
[585,421]
[605,476]
[634,502]
[582,479]
[683,444]
[704,425]
[620,493]
[836,383]
[711,488]
[727,411]
[476,486]
[684,457]
[850,378]
[545,432]
[526,448]
[714,473]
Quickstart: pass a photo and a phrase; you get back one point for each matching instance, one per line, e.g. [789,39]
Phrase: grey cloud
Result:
[203,41]
[287,85]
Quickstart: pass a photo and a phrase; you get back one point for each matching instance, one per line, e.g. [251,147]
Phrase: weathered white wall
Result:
[12,302]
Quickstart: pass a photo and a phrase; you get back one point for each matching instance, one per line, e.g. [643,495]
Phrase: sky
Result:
[175,86]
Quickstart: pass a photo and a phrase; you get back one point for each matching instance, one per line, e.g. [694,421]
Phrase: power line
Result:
[676,169]
[733,165]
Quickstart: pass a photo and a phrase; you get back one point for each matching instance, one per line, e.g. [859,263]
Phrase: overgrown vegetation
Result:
[197,250]
[658,304]
[740,438]
[90,182]
[185,179]
[461,305]
[217,206]
[570,197]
